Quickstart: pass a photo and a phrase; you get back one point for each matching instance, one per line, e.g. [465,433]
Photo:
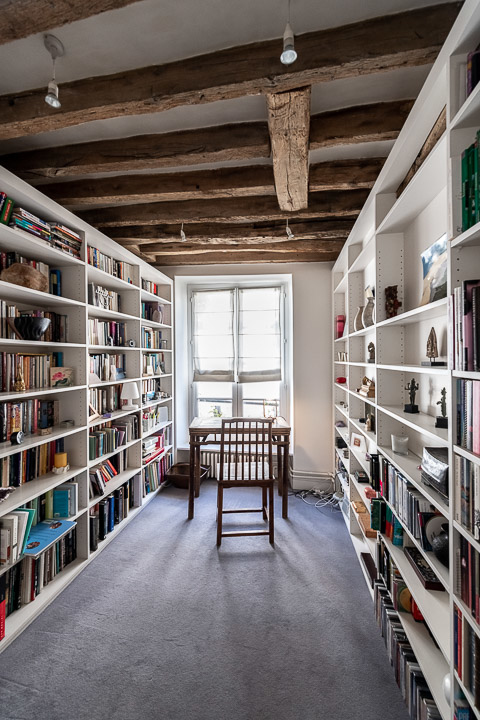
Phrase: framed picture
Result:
[61,377]
[434,267]
[357,442]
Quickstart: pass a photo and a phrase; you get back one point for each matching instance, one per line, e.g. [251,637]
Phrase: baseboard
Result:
[305,480]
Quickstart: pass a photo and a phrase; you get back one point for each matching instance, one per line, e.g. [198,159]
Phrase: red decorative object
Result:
[339,326]
[341,380]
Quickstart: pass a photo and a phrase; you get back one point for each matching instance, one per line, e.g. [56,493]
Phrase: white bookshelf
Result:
[384,249]
[73,401]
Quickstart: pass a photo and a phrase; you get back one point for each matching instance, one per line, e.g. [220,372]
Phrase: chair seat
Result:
[252,471]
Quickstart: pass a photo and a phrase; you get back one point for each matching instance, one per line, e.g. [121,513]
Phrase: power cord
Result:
[325,498]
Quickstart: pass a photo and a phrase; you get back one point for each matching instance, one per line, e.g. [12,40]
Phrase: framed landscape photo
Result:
[434,267]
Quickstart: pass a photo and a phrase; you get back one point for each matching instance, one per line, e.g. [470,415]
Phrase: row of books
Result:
[27,465]
[152,339]
[23,582]
[104,332]
[151,417]
[383,519]
[410,505]
[102,473]
[45,507]
[467,495]
[154,364]
[464,311]
[57,330]
[107,367]
[105,400]
[36,370]
[151,287]
[109,437]
[467,578]
[29,416]
[113,509]
[470,179]
[101,297]
[54,277]
[155,312]
[466,659]
[51,232]
[14,532]
[154,474]
[153,446]
[116,268]
[408,674]
[468,415]
[150,388]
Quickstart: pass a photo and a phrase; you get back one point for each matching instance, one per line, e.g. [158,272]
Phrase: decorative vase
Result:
[357,323]
[29,328]
[440,545]
[368,315]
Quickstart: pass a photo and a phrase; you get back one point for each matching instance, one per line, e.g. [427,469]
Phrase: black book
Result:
[93,532]
[103,519]
[476,327]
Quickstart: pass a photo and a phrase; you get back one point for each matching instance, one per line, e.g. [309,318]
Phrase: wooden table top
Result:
[213,425]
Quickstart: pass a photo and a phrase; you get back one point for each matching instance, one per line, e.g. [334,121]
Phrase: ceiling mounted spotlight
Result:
[56,50]
[290,234]
[183,237]
[288,55]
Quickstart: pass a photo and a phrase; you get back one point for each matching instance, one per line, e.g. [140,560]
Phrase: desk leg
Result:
[285,481]
[280,468]
[197,470]
[191,481]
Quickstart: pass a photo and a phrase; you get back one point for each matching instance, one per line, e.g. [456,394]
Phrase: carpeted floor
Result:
[163,626]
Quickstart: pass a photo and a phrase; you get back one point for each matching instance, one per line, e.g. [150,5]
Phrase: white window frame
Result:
[237,388]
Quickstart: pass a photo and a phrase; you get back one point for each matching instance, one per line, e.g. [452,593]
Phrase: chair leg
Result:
[264,503]
[271,516]
[219,514]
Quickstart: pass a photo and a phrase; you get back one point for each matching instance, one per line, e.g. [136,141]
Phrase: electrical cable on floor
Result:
[324,499]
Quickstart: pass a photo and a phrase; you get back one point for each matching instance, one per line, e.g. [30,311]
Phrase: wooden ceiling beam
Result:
[239,141]
[329,204]
[223,182]
[152,238]
[379,44]
[21,18]
[298,246]
[246,258]
[289,128]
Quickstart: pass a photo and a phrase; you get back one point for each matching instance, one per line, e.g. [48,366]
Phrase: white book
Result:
[5,549]
[22,528]
[11,523]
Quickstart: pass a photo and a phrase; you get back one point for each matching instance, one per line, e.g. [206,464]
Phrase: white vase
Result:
[357,323]
[368,316]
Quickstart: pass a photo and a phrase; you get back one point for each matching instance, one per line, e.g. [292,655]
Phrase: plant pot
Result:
[29,328]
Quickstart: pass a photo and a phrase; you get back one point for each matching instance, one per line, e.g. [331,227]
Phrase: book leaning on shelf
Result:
[107,367]
[28,465]
[102,473]
[116,268]
[111,511]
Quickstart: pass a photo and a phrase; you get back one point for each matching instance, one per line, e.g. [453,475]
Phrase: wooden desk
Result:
[206,431]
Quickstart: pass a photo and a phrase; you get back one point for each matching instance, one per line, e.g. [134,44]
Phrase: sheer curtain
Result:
[213,336]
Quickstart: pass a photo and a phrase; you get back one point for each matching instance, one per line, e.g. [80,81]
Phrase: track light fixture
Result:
[290,234]
[183,237]
[288,55]
[56,50]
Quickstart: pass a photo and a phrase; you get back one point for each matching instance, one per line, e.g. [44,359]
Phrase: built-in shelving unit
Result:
[84,299]
[384,249]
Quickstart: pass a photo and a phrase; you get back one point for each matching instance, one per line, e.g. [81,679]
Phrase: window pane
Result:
[214,399]
[261,399]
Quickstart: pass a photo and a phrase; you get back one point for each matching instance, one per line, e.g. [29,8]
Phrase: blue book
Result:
[61,503]
[45,534]
[111,513]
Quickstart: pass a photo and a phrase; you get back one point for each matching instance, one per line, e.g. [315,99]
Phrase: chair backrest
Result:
[246,449]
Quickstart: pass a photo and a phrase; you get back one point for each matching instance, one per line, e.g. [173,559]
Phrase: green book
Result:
[31,517]
[464,190]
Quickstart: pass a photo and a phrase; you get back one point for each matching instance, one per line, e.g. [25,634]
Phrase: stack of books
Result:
[21,219]
[464,313]
[66,239]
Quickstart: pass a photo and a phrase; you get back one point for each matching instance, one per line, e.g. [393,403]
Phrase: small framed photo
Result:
[61,377]
[357,442]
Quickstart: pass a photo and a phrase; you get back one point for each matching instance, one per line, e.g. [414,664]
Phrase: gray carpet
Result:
[163,626]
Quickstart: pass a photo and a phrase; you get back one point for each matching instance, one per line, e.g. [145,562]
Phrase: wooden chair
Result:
[246,460]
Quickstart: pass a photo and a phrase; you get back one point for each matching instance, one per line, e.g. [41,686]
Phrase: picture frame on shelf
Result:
[434,269]
[357,442]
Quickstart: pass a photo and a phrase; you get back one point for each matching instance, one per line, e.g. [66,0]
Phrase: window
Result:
[238,352]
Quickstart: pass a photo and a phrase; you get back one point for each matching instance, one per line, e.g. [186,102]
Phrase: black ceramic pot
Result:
[31,328]
[440,545]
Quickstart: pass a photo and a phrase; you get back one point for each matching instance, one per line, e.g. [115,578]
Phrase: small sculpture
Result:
[442,420]
[432,350]
[371,352]
[19,381]
[370,422]
[368,315]
[412,388]
[357,322]
[392,303]
[368,388]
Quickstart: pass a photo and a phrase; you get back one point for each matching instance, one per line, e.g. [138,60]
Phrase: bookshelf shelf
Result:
[424,312]
[467,454]
[469,238]
[370,543]
[467,374]
[360,488]
[468,535]
[76,274]
[160,426]
[422,423]
[341,410]
[415,369]
[469,113]
[359,546]
[156,402]
[151,297]
[150,323]
[468,695]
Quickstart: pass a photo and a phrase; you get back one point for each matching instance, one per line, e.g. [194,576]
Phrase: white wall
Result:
[312,354]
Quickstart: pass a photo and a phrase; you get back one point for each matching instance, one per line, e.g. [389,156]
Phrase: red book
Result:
[3,589]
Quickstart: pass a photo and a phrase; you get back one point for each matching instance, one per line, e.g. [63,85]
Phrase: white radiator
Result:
[211,458]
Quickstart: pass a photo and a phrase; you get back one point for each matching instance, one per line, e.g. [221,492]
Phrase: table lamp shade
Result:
[129,393]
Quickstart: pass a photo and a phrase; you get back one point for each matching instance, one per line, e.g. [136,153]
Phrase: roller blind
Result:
[259,335]
[213,336]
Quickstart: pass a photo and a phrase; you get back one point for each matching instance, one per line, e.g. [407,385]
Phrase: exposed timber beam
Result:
[298,246]
[239,141]
[246,258]
[21,18]
[223,182]
[289,128]
[379,44]
[330,204]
